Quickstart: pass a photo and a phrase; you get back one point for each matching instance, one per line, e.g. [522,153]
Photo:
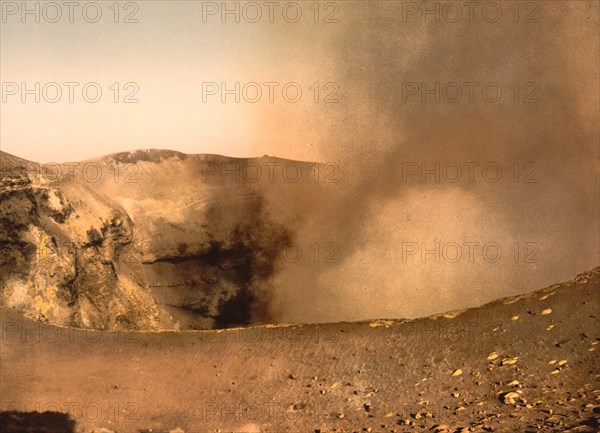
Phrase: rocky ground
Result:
[520,364]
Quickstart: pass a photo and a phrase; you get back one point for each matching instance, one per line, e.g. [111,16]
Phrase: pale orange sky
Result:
[169,53]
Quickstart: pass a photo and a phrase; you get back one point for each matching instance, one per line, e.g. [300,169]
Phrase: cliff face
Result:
[147,239]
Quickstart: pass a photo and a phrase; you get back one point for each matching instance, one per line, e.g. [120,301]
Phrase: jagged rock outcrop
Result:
[143,240]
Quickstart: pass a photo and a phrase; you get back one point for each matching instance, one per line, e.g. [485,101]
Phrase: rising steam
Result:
[546,229]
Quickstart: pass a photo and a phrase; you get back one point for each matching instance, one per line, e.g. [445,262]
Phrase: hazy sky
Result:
[359,53]
[173,49]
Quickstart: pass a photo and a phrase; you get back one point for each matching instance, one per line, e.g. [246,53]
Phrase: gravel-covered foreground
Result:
[522,364]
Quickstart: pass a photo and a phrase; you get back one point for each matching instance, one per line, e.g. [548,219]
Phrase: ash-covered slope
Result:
[522,364]
[151,239]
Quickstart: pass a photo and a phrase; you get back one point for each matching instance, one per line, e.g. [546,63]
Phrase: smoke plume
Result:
[541,212]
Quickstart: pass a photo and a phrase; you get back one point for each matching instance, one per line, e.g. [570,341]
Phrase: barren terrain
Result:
[520,364]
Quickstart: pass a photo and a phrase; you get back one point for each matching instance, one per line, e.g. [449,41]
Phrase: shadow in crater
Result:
[36,422]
